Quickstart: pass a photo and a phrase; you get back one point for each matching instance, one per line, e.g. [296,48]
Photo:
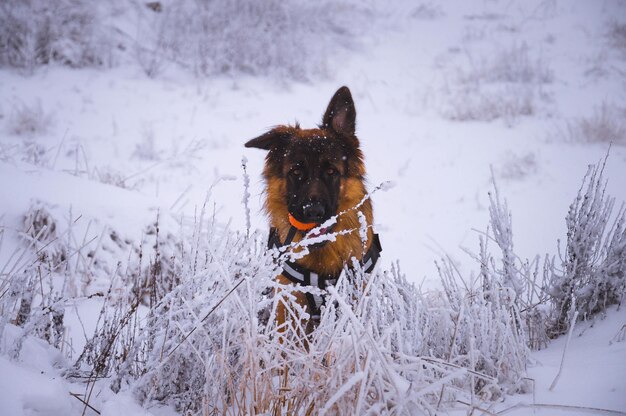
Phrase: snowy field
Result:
[450,96]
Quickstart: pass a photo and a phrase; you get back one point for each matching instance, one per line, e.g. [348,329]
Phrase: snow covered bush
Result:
[593,274]
[606,125]
[29,120]
[489,331]
[190,320]
[205,349]
[290,39]
[211,344]
[38,32]
[616,36]
[29,298]
[504,86]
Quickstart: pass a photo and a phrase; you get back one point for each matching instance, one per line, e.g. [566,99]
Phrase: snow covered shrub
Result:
[489,334]
[479,103]
[593,274]
[517,167]
[29,120]
[211,343]
[512,65]
[35,154]
[503,86]
[616,36]
[29,298]
[39,32]
[157,265]
[606,125]
[290,39]
[509,291]
[146,148]
[203,348]
[40,230]
[115,333]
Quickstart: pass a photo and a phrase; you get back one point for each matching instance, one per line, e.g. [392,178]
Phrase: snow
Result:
[593,373]
[117,147]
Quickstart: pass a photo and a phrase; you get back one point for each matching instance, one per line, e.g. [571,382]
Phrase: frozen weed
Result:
[487,104]
[606,125]
[616,36]
[517,167]
[427,11]
[505,86]
[35,32]
[593,273]
[110,176]
[190,320]
[513,65]
[146,148]
[35,154]
[29,120]
[278,39]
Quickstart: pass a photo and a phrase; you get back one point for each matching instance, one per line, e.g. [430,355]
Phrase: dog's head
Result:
[308,170]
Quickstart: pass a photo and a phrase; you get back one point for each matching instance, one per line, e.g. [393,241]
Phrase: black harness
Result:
[305,277]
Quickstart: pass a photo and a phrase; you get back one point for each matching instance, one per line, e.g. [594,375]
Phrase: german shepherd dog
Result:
[313,176]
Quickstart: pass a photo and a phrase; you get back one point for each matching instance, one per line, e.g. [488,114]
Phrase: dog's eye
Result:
[297,172]
[331,171]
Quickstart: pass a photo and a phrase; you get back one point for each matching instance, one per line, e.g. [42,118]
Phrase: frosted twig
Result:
[569,336]
[204,319]
[246,194]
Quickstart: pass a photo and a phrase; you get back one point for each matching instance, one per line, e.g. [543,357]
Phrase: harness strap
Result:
[304,277]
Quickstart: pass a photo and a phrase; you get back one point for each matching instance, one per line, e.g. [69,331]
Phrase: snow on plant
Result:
[146,149]
[485,103]
[511,65]
[196,325]
[281,39]
[517,167]
[212,343]
[62,258]
[204,349]
[37,32]
[28,296]
[593,271]
[616,36]
[29,120]
[504,86]
[606,125]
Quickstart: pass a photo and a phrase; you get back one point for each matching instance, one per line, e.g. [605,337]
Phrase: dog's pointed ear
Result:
[340,115]
[273,138]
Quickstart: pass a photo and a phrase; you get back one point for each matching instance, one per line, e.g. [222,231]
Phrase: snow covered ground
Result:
[446,93]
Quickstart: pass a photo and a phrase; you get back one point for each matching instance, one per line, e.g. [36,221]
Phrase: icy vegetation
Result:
[208,37]
[134,273]
[197,327]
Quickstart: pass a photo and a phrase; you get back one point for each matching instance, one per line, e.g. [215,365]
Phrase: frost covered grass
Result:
[606,125]
[189,320]
[506,85]
[616,35]
[35,33]
[28,121]
[277,38]
[178,311]
[282,40]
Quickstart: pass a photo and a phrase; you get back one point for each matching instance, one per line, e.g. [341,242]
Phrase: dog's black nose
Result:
[314,212]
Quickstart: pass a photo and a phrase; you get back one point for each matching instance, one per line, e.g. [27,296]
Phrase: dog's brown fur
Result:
[334,142]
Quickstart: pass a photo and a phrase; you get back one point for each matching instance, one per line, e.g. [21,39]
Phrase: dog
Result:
[313,176]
